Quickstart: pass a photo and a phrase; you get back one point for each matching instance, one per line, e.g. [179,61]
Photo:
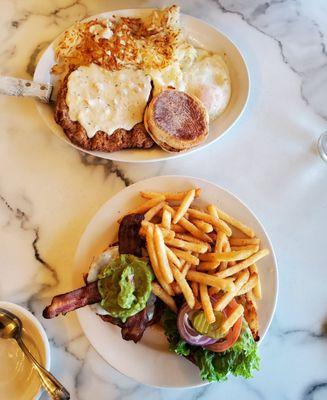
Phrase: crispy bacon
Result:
[134,327]
[130,242]
[70,301]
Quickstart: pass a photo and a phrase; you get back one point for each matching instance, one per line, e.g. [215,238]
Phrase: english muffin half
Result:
[176,121]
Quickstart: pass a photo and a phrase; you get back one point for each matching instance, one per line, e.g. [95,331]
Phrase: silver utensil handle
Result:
[54,388]
[21,87]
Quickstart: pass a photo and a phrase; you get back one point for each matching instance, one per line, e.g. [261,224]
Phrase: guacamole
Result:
[125,286]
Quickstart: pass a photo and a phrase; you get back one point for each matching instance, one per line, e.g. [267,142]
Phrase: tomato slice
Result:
[233,333]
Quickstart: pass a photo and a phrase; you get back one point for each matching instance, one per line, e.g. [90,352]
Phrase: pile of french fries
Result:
[203,254]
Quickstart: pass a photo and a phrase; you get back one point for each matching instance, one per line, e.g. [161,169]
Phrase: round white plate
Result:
[149,361]
[206,37]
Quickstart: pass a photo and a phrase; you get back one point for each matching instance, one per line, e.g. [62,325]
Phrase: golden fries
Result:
[164,296]
[233,317]
[153,211]
[169,195]
[181,244]
[243,264]
[184,255]
[243,241]
[184,206]
[160,247]
[203,226]
[257,289]
[207,265]
[186,268]
[236,223]
[154,260]
[227,297]
[249,285]
[221,239]
[166,219]
[172,257]
[253,247]
[190,238]
[166,233]
[221,225]
[227,256]
[147,205]
[210,280]
[206,304]
[193,252]
[184,286]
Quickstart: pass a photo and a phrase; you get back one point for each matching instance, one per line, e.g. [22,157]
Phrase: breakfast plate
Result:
[201,35]
[150,361]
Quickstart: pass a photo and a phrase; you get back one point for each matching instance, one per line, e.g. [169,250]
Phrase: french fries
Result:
[210,280]
[181,244]
[164,296]
[154,260]
[184,286]
[153,211]
[243,241]
[190,238]
[203,226]
[147,205]
[249,285]
[221,225]
[184,206]
[243,264]
[166,233]
[166,219]
[186,268]
[257,289]
[227,297]
[206,304]
[253,247]
[184,255]
[172,257]
[233,317]
[194,252]
[236,223]
[169,195]
[227,256]
[160,247]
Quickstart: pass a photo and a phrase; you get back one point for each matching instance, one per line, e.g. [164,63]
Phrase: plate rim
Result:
[172,155]
[207,182]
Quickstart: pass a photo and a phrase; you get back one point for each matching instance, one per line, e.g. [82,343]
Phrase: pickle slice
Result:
[200,324]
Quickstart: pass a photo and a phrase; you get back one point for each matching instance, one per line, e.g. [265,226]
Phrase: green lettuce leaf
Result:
[240,360]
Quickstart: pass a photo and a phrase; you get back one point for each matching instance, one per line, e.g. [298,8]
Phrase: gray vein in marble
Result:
[251,18]
[26,225]
[110,167]
[312,391]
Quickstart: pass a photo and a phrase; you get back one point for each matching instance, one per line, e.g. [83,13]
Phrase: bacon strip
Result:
[130,242]
[70,301]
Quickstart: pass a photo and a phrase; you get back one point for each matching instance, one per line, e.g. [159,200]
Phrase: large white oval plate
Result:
[206,37]
[149,361]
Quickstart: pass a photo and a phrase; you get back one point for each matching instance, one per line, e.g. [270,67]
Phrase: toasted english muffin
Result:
[176,121]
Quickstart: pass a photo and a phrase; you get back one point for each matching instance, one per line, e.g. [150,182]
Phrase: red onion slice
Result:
[187,332]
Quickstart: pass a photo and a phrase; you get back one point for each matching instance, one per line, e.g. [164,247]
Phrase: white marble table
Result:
[49,191]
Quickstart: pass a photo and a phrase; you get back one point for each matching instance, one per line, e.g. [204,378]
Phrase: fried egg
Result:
[208,79]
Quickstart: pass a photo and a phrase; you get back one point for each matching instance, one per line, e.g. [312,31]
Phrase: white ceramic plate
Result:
[149,361]
[206,37]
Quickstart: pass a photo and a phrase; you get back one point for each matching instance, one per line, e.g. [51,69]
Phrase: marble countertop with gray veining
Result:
[49,191]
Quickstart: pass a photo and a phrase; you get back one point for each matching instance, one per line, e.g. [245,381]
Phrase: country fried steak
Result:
[121,139]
